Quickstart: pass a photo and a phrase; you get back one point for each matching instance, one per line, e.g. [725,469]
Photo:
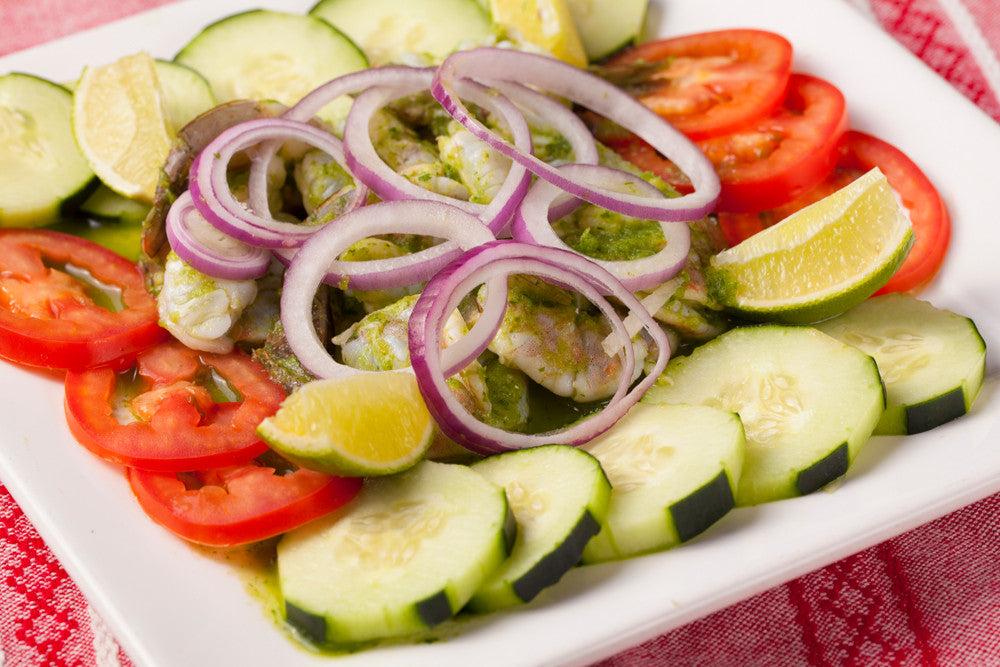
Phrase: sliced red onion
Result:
[213,197]
[355,82]
[499,259]
[490,64]
[307,107]
[547,112]
[207,249]
[368,167]
[532,225]
[311,265]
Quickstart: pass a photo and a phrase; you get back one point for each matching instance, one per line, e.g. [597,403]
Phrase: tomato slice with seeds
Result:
[772,161]
[163,414]
[708,83]
[858,153]
[68,303]
[239,504]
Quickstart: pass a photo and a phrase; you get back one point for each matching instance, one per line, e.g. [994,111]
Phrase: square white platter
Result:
[171,605]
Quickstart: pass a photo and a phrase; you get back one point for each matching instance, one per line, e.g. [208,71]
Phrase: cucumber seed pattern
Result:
[769,406]
[391,537]
[899,352]
[17,136]
[629,462]
[526,504]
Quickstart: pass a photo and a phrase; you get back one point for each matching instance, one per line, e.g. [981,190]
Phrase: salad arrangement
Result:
[185,398]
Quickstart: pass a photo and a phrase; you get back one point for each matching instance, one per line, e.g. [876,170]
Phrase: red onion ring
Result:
[210,187]
[549,112]
[311,265]
[369,168]
[491,64]
[532,225]
[501,259]
[308,106]
[207,249]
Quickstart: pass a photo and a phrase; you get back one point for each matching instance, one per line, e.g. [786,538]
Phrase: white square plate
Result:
[170,605]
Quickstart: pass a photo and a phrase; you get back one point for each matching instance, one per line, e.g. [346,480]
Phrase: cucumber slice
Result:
[402,557]
[807,401]
[932,361]
[673,470]
[559,495]
[44,173]
[264,54]
[121,237]
[107,205]
[606,27]
[388,29]
[186,93]
[108,219]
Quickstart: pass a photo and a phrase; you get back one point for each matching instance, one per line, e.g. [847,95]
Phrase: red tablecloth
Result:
[928,597]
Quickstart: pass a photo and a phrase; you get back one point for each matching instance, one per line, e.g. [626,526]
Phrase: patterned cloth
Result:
[927,597]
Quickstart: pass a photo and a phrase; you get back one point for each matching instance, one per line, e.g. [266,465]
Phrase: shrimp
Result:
[558,342]
[420,140]
[481,168]
[319,177]
[412,157]
[200,310]
[377,248]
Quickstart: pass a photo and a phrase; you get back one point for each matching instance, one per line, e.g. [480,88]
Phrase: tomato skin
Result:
[710,83]
[239,504]
[182,428]
[771,162]
[791,151]
[46,317]
[927,210]
[857,154]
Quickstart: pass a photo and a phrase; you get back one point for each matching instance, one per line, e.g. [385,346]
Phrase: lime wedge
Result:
[365,424]
[547,24]
[819,261]
[121,125]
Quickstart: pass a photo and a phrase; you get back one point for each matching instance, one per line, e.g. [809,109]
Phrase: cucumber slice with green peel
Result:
[264,54]
[807,402]
[607,27]
[106,204]
[118,236]
[388,29]
[186,93]
[559,495]
[932,361]
[108,219]
[673,470]
[402,557]
[44,173]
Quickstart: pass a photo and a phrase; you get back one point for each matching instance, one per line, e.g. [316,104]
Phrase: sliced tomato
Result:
[174,423]
[51,313]
[857,154]
[771,162]
[238,504]
[708,83]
